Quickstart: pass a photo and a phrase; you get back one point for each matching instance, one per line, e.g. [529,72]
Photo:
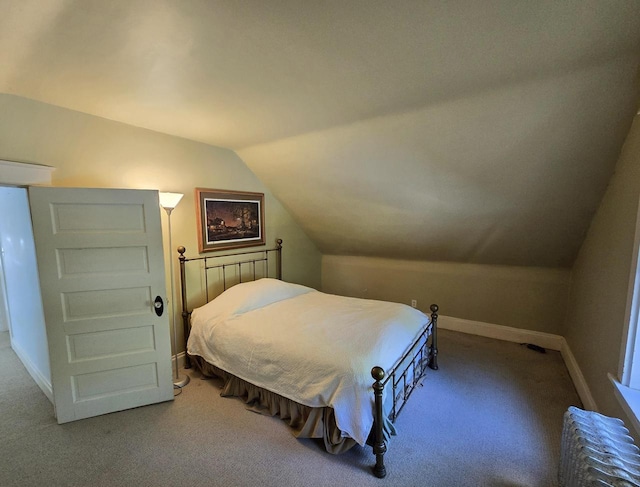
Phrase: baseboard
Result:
[518,335]
[181,360]
[43,383]
[579,382]
[501,332]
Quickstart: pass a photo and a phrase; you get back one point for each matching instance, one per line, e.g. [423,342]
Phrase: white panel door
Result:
[101,267]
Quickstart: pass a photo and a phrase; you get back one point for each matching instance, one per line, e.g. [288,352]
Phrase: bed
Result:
[306,356]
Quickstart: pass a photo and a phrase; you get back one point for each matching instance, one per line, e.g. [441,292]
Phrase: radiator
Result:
[597,451]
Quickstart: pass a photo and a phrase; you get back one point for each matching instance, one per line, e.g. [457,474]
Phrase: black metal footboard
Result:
[404,378]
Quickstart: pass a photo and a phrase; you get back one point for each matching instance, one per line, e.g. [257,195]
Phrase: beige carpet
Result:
[491,416]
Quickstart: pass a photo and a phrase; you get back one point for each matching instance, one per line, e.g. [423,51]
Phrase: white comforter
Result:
[314,348]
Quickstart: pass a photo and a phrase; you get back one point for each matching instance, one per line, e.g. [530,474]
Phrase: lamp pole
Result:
[169,201]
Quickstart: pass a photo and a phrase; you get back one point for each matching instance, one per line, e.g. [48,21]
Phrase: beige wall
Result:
[93,152]
[89,151]
[600,280]
[520,297]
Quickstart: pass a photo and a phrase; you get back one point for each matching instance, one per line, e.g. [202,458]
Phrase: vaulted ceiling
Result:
[467,131]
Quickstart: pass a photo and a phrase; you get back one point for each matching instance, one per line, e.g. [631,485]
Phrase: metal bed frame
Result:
[403,378]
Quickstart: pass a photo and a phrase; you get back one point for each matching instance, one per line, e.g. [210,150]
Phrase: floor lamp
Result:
[169,201]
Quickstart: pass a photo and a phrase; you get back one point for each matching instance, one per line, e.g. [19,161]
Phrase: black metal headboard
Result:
[232,269]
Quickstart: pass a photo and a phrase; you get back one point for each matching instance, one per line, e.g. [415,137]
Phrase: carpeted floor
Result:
[491,416]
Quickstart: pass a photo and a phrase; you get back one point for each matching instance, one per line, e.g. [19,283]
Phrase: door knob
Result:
[158,305]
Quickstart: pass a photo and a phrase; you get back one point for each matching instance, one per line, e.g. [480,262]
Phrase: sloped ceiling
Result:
[466,131]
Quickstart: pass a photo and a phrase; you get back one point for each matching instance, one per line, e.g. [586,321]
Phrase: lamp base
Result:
[179,382]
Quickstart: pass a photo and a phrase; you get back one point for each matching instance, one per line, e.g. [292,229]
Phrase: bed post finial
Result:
[433,359]
[379,446]
[279,258]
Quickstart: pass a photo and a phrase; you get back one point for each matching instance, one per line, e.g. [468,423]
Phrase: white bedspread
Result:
[314,348]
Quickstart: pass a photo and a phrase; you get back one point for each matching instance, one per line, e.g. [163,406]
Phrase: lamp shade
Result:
[170,200]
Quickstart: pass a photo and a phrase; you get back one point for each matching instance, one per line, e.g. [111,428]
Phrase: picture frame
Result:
[229,219]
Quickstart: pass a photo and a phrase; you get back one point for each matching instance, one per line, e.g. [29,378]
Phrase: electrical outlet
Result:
[414,303]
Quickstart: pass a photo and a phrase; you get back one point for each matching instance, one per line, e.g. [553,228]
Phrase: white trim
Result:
[629,346]
[629,399]
[501,332]
[23,174]
[42,382]
[518,335]
[578,379]
[181,358]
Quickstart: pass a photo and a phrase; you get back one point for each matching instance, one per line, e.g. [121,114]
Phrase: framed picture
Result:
[229,219]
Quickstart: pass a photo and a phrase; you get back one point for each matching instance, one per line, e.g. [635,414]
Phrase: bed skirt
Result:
[304,421]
